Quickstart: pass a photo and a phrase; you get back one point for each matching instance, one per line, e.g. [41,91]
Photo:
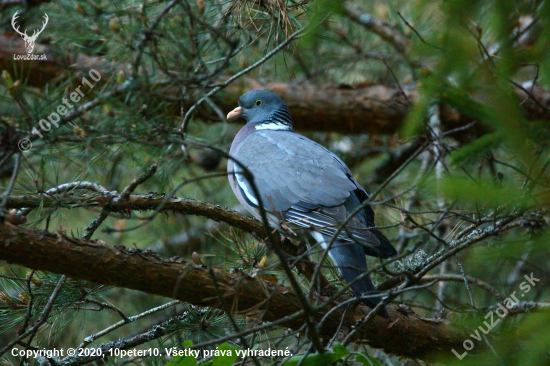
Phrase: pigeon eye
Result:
[259,102]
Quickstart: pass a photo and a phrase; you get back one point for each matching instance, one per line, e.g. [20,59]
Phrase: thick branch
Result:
[408,335]
[372,109]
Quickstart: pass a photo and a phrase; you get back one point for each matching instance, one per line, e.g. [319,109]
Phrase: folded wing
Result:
[307,185]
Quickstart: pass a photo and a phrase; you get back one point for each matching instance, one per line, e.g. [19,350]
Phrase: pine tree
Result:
[119,230]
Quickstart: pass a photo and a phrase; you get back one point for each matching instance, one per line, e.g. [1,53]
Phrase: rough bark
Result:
[185,206]
[404,335]
[371,109]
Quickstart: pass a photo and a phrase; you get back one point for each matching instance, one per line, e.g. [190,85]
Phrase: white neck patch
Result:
[272,126]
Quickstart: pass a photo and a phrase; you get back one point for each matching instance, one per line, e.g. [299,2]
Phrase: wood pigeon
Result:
[304,187]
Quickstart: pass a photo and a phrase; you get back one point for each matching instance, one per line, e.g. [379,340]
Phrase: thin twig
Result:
[41,320]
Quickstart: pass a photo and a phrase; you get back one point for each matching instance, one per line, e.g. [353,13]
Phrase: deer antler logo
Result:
[29,40]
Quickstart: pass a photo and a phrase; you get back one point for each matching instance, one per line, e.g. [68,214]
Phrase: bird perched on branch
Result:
[305,188]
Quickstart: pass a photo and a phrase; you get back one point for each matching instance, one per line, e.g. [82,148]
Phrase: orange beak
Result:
[235,113]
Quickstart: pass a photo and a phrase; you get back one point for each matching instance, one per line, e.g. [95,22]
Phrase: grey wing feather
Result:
[290,169]
[307,184]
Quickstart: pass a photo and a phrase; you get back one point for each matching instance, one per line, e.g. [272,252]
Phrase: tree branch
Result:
[184,206]
[372,109]
[408,335]
[378,26]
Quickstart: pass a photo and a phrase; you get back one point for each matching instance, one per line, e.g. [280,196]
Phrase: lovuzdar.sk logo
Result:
[29,40]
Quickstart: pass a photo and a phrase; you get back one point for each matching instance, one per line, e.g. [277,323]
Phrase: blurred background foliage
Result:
[470,151]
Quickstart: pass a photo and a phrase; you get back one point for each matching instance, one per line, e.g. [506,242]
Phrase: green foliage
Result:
[316,359]
[184,360]
[239,252]
[477,149]
[203,324]
[488,193]
[367,360]
[228,358]
[18,295]
[466,67]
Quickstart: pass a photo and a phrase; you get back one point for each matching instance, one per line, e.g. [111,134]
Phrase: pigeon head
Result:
[264,109]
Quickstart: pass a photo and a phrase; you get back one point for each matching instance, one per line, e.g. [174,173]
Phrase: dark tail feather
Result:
[364,287]
[351,262]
